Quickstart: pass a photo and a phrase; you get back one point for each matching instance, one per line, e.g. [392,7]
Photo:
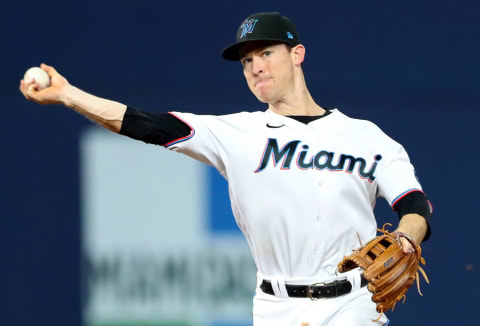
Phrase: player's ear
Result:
[298,54]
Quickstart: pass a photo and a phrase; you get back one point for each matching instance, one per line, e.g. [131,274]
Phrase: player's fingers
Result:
[406,246]
[24,85]
[32,89]
[55,78]
[49,69]
[23,88]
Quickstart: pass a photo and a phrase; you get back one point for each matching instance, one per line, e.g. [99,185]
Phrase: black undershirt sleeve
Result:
[415,202]
[153,128]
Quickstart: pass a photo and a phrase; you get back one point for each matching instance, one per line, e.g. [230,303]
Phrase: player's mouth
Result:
[262,82]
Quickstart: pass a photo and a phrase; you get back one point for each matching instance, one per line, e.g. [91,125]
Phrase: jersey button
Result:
[320,183]
[315,251]
[319,218]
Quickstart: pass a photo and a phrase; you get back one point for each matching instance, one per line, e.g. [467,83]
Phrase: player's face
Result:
[268,68]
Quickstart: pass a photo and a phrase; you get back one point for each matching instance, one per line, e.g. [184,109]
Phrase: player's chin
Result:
[263,100]
[263,97]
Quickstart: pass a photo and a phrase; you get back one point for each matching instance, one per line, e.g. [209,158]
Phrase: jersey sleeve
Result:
[204,143]
[153,128]
[397,179]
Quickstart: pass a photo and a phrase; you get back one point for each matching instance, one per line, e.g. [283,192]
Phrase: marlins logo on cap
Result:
[248,27]
[263,26]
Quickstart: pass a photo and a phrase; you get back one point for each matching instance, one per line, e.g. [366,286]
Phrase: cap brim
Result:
[232,52]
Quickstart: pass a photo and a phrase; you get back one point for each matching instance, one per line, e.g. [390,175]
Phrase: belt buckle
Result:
[310,290]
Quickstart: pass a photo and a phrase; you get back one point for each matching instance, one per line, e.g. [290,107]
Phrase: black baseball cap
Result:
[262,26]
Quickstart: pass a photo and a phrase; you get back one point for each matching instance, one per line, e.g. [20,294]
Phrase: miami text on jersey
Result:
[320,161]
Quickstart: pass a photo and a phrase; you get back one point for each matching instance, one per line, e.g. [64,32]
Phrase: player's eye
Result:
[267,53]
[246,60]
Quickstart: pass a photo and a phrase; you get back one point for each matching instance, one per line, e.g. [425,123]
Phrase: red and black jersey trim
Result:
[182,138]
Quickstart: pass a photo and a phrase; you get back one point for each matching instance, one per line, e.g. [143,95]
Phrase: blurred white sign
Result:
[150,253]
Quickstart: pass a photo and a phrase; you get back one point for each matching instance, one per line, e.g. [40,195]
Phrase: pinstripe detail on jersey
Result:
[179,140]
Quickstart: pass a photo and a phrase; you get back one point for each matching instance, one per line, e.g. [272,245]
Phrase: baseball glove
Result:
[389,271]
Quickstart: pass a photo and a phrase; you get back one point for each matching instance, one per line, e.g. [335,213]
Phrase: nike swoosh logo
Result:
[279,126]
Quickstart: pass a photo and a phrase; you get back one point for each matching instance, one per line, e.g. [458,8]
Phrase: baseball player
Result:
[303,179]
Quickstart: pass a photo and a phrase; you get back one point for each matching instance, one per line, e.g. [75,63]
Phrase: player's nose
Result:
[258,66]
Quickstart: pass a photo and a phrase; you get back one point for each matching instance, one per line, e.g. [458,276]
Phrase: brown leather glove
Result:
[389,271]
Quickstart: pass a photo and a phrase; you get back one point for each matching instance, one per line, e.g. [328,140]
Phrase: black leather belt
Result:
[315,291]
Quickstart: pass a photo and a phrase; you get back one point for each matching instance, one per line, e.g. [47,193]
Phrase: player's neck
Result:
[297,103]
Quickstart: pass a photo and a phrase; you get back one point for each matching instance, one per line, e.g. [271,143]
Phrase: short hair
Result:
[289,47]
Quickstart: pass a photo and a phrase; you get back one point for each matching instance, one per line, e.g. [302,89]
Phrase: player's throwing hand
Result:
[50,95]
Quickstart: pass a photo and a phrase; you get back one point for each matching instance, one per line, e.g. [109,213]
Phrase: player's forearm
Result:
[107,113]
[414,225]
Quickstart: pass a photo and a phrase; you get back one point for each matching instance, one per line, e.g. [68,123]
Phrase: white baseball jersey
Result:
[300,193]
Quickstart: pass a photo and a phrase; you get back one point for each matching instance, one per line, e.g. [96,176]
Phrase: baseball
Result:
[40,76]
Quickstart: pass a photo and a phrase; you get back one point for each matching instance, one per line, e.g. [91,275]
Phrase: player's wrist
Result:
[406,236]
[414,225]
